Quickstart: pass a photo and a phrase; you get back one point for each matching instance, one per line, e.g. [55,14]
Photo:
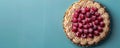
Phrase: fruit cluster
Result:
[87,22]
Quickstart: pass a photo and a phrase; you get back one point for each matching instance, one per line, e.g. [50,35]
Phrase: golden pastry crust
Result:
[67,24]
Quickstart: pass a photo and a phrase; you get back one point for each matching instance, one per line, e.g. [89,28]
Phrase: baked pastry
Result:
[86,23]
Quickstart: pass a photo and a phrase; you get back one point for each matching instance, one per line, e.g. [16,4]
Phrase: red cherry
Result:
[90,35]
[100,29]
[75,24]
[94,27]
[74,29]
[90,25]
[83,35]
[78,34]
[83,10]
[84,22]
[79,19]
[96,33]
[80,30]
[100,19]
[88,20]
[97,14]
[75,15]
[74,20]
[81,16]
[94,9]
[92,12]
[85,31]
[85,26]
[96,22]
[93,18]
[102,24]
[87,9]
[80,25]
[90,30]
[88,14]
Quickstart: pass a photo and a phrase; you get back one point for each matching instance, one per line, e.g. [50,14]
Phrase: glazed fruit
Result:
[87,22]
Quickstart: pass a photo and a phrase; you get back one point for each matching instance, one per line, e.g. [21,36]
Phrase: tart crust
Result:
[67,24]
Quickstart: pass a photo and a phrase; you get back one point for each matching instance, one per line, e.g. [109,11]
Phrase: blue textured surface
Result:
[38,24]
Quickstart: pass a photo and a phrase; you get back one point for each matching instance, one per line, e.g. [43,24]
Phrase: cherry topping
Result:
[94,9]
[83,35]
[93,18]
[85,26]
[102,24]
[84,22]
[92,12]
[87,9]
[74,20]
[96,33]
[94,27]
[100,19]
[90,30]
[87,22]
[80,25]
[90,35]
[97,14]
[81,16]
[75,24]
[100,29]
[75,15]
[96,22]
[83,10]
[85,31]
[74,29]
[88,14]
[79,19]
[78,34]
[80,30]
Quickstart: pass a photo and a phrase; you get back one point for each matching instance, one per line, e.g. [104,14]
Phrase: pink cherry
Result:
[97,14]
[94,9]
[93,18]
[90,35]
[75,15]
[85,26]
[94,27]
[80,30]
[87,9]
[96,22]
[81,16]
[88,14]
[83,35]
[102,24]
[92,12]
[100,19]
[78,34]
[85,31]
[88,20]
[100,29]
[75,24]
[74,20]
[83,10]
[74,29]
[84,22]
[96,33]
[90,30]
[80,25]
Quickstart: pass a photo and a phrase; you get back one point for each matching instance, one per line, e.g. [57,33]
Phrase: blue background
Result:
[38,24]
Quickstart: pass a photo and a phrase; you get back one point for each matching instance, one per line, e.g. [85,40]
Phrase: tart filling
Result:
[87,22]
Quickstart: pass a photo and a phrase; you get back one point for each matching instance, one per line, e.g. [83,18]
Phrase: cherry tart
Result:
[86,23]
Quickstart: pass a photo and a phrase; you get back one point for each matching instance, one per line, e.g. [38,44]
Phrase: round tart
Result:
[86,22]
